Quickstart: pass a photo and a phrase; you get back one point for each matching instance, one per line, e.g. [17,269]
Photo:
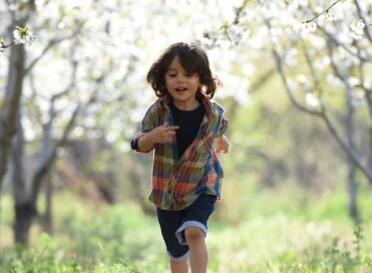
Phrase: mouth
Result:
[181,89]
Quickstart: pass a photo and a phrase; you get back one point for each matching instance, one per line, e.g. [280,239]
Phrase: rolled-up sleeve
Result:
[222,121]
[222,127]
[148,123]
[149,120]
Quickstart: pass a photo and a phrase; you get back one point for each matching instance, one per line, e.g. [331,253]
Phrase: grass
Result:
[274,235]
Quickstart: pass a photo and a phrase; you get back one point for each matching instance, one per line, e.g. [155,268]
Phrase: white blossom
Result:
[329,16]
[322,63]
[291,56]
[13,7]
[312,100]
[223,44]
[335,81]
[235,32]
[357,28]
[353,81]
[301,79]
[358,98]
[309,27]
[23,35]
[2,45]
[292,84]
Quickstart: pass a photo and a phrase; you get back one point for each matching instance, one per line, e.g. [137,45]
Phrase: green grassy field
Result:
[272,235]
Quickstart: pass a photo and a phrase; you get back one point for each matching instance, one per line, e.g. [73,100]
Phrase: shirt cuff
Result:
[134,141]
[223,127]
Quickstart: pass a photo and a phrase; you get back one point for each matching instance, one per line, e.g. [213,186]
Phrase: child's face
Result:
[181,85]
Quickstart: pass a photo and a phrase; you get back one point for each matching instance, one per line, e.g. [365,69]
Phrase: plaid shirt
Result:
[177,183]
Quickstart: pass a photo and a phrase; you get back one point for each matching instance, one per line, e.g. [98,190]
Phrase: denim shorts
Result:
[174,223]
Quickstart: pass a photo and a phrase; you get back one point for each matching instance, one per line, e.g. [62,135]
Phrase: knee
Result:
[178,262]
[194,234]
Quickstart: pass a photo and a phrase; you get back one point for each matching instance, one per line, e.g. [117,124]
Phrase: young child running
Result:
[186,129]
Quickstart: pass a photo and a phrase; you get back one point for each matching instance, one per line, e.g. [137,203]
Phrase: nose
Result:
[180,78]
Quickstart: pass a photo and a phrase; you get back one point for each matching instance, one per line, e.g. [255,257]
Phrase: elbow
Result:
[143,151]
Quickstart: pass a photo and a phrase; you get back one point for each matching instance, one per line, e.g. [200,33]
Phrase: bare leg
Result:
[198,250]
[179,266]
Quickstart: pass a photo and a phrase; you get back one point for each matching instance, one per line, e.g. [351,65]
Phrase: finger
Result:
[168,139]
[171,128]
[221,150]
[168,136]
[170,133]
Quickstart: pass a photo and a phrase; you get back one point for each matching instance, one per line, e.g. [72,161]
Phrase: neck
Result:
[187,105]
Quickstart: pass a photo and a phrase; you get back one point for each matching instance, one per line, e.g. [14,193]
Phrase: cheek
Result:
[168,81]
[198,83]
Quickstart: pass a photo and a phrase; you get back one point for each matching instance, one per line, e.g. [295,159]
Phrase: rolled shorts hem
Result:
[179,233]
[179,259]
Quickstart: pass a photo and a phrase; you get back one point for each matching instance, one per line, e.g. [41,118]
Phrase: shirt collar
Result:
[165,100]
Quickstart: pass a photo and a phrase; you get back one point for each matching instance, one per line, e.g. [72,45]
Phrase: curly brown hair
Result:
[193,59]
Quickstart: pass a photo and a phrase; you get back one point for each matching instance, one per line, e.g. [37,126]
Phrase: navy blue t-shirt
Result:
[189,123]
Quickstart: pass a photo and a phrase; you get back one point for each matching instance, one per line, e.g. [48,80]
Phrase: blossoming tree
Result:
[323,54]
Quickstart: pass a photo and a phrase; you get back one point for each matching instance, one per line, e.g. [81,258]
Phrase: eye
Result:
[189,75]
[172,75]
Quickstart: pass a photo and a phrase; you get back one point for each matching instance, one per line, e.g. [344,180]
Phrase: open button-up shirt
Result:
[177,183]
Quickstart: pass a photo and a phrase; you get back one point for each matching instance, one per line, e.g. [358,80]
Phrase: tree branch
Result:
[6,46]
[239,11]
[354,157]
[52,153]
[323,12]
[279,66]
[334,66]
[262,79]
[49,152]
[367,91]
[351,153]
[322,113]
[52,113]
[50,157]
[50,45]
[335,41]
[33,99]
[312,72]
[360,14]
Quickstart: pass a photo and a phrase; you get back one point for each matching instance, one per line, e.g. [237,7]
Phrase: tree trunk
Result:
[47,219]
[370,154]
[352,194]
[9,109]
[24,210]
[24,214]
[352,185]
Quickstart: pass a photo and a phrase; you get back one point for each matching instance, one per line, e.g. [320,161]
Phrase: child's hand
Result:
[222,144]
[162,134]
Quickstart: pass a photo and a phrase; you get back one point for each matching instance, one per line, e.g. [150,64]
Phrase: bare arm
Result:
[222,144]
[161,134]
